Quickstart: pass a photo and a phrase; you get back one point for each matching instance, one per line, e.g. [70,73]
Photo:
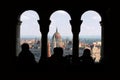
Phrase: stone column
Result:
[44,27]
[102,40]
[75,22]
[105,23]
[18,38]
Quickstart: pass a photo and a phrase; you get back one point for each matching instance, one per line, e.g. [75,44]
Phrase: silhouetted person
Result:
[26,57]
[86,57]
[57,57]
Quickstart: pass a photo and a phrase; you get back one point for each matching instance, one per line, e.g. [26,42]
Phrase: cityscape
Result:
[94,44]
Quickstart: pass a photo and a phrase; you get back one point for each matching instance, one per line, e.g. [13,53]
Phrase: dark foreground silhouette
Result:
[56,65]
[86,57]
[26,59]
[57,57]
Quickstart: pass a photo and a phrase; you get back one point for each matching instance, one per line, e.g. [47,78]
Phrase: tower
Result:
[49,51]
[57,39]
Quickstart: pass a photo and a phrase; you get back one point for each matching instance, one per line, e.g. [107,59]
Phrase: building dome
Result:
[56,35]
[57,40]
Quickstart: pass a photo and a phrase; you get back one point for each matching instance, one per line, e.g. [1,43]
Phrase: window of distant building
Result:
[60,34]
[29,32]
[90,34]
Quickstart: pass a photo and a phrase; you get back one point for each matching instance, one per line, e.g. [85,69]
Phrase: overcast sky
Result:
[60,20]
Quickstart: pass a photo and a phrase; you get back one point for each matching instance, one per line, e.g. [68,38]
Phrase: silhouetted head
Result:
[86,52]
[58,51]
[25,46]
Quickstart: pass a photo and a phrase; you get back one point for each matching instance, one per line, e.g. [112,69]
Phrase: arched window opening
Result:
[90,34]
[30,32]
[60,34]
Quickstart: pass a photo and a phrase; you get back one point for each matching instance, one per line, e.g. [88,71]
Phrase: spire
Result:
[56,30]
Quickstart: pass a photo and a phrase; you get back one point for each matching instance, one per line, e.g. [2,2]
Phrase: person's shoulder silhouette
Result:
[86,57]
[25,56]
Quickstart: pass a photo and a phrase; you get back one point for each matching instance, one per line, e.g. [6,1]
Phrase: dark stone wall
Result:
[75,8]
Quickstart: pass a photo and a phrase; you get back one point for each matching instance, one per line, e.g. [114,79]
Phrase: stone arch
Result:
[60,27]
[28,31]
[91,34]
